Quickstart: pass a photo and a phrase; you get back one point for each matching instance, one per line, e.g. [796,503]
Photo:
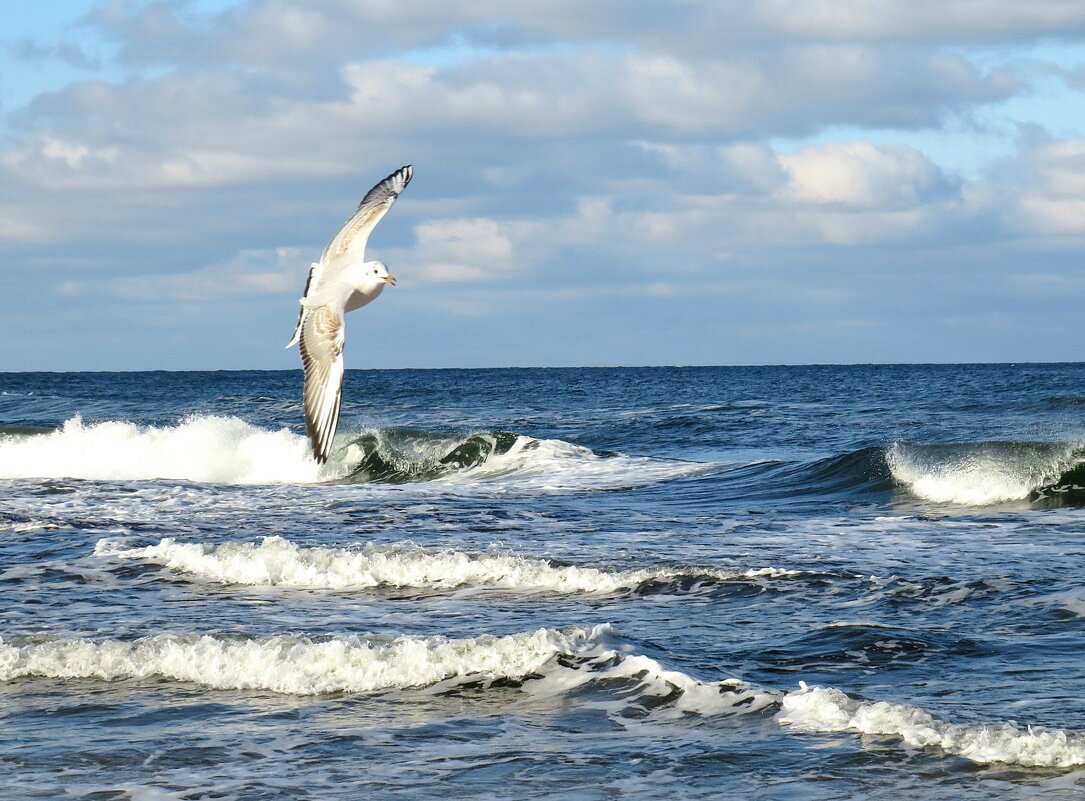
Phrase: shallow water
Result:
[821,582]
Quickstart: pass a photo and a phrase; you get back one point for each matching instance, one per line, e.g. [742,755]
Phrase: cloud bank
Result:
[605,183]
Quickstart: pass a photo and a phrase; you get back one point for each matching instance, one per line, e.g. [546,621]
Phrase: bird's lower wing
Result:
[322,340]
[311,282]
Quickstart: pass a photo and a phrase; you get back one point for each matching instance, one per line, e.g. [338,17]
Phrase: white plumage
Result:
[340,282]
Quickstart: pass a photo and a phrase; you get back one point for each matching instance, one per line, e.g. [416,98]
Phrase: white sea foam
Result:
[661,693]
[213,449]
[277,561]
[826,709]
[552,465]
[294,665]
[550,663]
[302,666]
[979,474]
[27,526]
[229,450]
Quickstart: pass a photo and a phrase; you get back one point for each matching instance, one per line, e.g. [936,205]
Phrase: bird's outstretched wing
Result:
[322,340]
[310,282]
[355,233]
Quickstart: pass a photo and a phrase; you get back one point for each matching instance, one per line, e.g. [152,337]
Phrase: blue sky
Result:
[611,183]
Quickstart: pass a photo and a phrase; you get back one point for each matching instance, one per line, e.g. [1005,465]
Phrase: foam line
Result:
[278,562]
[827,709]
[293,665]
[547,662]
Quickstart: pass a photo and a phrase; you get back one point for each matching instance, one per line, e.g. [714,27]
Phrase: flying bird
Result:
[340,282]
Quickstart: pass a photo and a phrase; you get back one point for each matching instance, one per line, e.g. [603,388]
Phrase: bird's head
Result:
[377,271]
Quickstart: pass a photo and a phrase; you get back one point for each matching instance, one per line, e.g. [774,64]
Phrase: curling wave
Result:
[851,475]
[970,473]
[984,473]
[229,450]
[401,455]
[278,562]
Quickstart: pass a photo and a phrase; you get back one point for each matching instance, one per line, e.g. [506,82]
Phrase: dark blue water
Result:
[774,582]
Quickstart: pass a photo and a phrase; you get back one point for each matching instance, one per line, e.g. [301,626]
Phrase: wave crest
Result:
[228,450]
[400,455]
[547,663]
[544,663]
[277,561]
[827,709]
[293,665]
[981,473]
[223,450]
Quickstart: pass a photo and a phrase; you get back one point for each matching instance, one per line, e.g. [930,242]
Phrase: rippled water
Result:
[779,583]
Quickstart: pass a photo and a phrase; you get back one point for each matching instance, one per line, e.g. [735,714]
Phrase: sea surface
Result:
[861,582]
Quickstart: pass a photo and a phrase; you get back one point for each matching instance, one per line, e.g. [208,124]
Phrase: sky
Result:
[595,183]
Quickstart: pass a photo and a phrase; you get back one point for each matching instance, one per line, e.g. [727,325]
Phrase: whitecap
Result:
[277,561]
[292,664]
[228,450]
[547,663]
[551,465]
[979,474]
[827,709]
[207,449]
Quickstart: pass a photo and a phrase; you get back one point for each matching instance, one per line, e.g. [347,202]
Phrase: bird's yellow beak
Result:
[390,279]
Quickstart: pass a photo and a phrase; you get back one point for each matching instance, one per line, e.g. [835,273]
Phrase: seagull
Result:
[340,282]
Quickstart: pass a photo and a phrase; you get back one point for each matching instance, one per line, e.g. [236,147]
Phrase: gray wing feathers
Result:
[322,340]
[374,205]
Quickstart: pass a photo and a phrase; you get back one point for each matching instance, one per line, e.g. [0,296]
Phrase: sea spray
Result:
[980,473]
[205,448]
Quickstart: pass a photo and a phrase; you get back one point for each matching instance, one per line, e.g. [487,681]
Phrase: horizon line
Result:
[559,367]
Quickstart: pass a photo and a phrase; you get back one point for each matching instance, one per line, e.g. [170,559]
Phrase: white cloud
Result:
[452,250]
[927,20]
[574,153]
[252,272]
[863,175]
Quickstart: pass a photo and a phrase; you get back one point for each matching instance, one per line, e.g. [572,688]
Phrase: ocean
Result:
[829,582]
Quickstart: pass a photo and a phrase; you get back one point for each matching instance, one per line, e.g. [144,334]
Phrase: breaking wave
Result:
[229,450]
[984,473]
[827,709]
[544,663]
[590,665]
[970,473]
[212,449]
[290,664]
[278,562]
